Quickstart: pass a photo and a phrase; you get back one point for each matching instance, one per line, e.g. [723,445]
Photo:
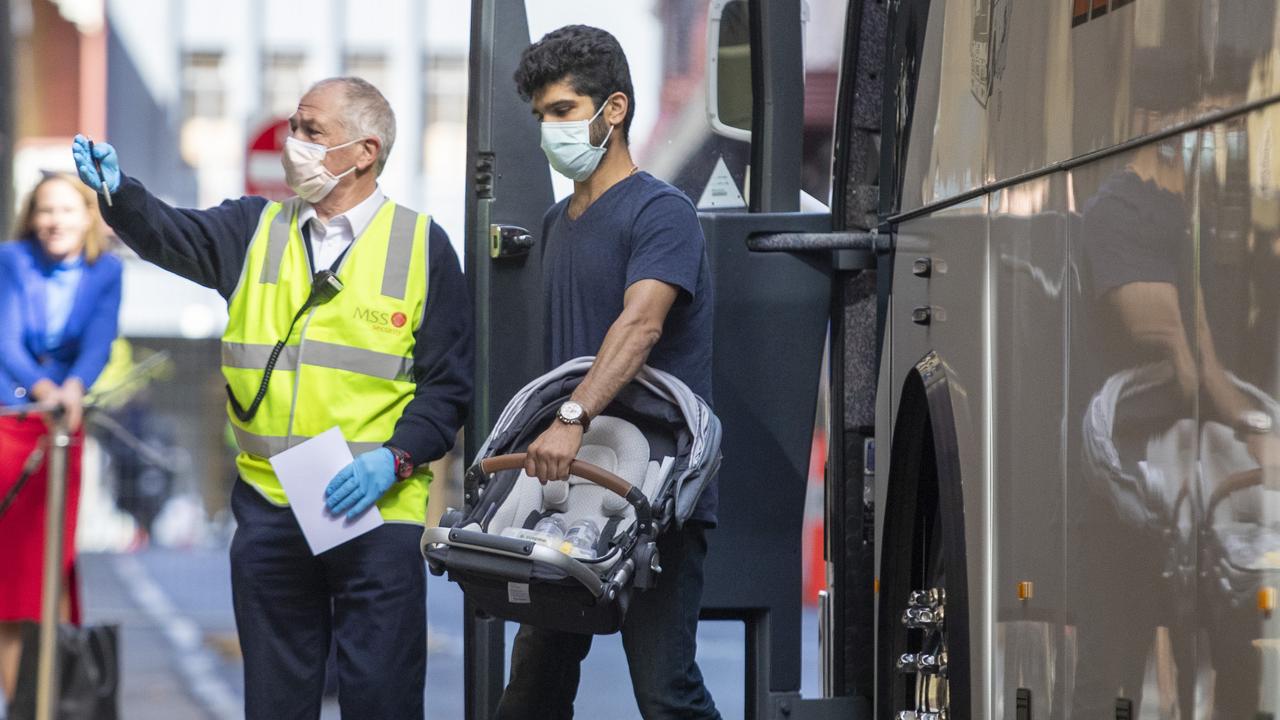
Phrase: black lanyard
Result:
[311,257]
[325,285]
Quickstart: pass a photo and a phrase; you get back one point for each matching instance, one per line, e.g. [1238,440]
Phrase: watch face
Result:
[1257,421]
[571,411]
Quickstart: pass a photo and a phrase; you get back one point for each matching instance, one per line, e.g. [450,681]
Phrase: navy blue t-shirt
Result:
[639,229]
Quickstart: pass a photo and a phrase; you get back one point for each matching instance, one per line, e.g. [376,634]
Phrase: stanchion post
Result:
[51,593]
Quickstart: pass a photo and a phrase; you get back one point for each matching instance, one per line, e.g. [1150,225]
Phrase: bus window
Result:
[1079,12]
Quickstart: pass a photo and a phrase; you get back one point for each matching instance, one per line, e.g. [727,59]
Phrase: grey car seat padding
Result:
[613,444]
[652,396]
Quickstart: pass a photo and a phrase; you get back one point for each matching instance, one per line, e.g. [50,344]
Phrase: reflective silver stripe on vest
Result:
[359,448]
[263,446]
[395,276]
[321,354]
[359,360]
[254,357]
[267,446]
[277,241]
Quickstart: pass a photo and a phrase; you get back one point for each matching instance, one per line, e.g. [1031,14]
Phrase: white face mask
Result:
[304,168]
[568,147]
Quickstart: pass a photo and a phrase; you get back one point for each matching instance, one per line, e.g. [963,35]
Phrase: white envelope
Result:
[305,471]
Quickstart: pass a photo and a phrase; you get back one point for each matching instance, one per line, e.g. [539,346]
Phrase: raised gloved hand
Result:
[359,485]
[84,164]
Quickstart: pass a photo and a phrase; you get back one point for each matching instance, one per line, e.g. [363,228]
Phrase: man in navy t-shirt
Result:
[626,280]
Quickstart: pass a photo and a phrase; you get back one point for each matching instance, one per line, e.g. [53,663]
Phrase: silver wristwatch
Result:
[571,413]
[1255,422]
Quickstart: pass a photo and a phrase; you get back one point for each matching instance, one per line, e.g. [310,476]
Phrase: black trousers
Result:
[660,639]
[368,594]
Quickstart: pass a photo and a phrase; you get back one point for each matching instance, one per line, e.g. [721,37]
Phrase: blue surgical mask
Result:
[568,147]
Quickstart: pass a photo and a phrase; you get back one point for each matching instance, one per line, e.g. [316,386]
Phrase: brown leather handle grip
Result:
[582,469]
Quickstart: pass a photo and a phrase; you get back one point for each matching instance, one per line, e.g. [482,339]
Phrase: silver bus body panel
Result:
[1030,280]
[1011,88]
[958,298]
[1093,438]
[1097,325]
[948,131]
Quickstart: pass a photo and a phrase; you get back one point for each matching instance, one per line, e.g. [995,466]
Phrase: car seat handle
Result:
[587,471]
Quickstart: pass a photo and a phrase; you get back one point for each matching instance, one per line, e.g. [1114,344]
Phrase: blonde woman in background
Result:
[59,302]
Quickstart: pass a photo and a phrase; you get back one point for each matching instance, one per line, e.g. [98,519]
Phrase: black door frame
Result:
[509,183]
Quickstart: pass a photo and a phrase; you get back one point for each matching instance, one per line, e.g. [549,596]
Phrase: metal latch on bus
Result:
[509,241]
[850,250]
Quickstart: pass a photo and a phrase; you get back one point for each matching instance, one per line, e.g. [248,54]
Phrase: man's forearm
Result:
[624,351]
[1226,400]
[207,247]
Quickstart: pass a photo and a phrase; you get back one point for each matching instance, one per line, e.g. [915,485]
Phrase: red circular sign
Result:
[398,319]
[263,173]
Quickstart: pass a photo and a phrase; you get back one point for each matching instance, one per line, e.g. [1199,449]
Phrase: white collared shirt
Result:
[329,241]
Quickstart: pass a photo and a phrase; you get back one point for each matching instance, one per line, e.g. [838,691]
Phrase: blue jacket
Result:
[82,352]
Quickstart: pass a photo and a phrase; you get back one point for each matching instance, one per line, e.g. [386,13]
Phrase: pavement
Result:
[180,655]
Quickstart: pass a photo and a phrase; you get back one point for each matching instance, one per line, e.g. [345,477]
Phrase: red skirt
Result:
[22,525]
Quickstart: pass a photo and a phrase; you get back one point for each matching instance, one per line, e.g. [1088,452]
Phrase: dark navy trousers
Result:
[368,594]
[659,637]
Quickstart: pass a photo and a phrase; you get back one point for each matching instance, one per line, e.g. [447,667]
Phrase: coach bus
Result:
[1037,244]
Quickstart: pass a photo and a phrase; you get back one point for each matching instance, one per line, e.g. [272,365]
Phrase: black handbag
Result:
[88,668]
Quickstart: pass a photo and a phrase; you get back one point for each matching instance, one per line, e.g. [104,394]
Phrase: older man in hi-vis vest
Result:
[346,310]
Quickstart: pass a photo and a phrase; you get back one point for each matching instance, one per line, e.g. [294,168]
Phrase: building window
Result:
[203,91]
[446,88]
[368,66]
[283,82]
[444,101]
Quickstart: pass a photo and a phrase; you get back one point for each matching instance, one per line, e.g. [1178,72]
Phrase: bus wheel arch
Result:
[922,552]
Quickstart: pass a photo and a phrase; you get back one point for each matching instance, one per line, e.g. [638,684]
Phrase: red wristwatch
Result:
[404,463]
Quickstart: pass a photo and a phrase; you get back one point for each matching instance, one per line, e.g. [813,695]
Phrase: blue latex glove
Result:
[84,164]
[359,485]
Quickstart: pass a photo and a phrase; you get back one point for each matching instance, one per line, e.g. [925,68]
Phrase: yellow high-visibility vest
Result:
[348,362]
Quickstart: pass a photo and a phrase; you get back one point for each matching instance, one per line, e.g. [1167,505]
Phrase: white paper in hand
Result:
[305,471]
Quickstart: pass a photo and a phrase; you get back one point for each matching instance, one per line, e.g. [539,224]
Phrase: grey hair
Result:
[365,113]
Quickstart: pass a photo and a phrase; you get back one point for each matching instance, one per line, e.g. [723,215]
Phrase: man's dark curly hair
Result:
[588,58]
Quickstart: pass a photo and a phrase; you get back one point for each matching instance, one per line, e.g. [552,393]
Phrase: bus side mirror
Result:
[729,69]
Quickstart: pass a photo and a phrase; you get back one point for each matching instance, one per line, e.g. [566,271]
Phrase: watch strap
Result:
[404,464]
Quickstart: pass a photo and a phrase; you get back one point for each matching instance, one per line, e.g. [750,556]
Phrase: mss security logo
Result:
[380,320]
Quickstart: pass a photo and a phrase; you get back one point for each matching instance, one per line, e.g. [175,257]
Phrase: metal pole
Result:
[8,102]
[51,593]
